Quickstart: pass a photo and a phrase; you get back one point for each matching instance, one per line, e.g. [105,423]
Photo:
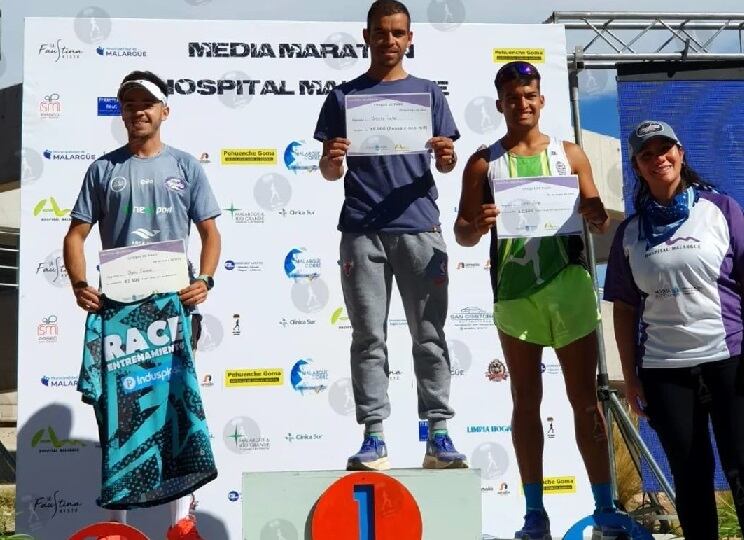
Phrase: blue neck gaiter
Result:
[658,222]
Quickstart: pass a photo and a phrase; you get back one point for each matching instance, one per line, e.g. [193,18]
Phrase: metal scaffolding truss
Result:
[673,36]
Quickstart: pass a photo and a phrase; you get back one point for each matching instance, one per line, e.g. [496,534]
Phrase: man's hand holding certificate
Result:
[135,272]
[539,206]
[387,124]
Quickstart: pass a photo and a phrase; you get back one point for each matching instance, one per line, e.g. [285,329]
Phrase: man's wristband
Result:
[82,284]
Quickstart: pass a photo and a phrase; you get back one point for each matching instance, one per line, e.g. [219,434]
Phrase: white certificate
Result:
[539,206]
[387,124]
[135,272]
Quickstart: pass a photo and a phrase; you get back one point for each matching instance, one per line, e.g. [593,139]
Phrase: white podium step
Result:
[340,505]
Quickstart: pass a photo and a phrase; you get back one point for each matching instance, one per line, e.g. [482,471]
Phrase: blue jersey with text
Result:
[138,374]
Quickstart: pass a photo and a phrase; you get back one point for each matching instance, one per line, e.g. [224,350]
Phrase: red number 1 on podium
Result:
[367,506]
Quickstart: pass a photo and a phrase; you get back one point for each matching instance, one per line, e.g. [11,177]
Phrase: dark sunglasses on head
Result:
[515,70]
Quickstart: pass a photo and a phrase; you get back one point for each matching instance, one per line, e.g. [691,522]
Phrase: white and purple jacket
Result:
[687,289]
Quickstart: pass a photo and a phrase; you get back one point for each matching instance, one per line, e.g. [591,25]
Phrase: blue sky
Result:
[597,91]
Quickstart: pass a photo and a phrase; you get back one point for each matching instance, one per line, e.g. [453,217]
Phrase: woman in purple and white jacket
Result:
[675,275]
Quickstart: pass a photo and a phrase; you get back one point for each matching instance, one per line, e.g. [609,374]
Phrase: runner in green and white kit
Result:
[543,294]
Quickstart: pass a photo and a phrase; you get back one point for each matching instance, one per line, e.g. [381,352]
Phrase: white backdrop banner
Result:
[246,96]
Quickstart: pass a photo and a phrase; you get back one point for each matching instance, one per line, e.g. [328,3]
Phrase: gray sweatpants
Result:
[419,264]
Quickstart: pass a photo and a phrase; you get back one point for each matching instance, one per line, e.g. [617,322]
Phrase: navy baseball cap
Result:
[647,130]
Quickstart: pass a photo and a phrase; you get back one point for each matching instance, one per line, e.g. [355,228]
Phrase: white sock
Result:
[120,516]
[180,508]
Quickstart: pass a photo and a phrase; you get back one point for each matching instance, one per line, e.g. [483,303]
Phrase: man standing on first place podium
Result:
[390,227]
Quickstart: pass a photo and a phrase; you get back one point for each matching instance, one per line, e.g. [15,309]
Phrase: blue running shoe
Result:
[536,526]
[612,524]
[441,454]
[372,456]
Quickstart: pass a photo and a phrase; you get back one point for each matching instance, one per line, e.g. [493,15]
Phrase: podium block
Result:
[291,505]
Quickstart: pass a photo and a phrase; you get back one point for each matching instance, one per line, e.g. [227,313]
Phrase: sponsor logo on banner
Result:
[239,215]
[340,319]
[279,528]
[212,333]
[46,441]
[472,318]
[57,51]
[395,375]
[126,52]
[242,435]
[207,380]
[236,378]
[423,430]
[446,15]
[48,210]
[309,295]
[92,24]
[298,156]
[550,369]
[47,330]
[503,489]
[59,382]
[108,106]
[272,191]
[236,324]
[550,427]
[68,155]
[341,397]
[303,437]
[42,509]
[492,460]
[204,158]
[53,269]
[248,156]
[504,428]
[461,359]
[50,106]
[287,323]
[244,266]
[304,377]
[505,55]
[497,371]
[233,496]
[481,115]
[298,264]
[294,212]
[32,165]
[559,485]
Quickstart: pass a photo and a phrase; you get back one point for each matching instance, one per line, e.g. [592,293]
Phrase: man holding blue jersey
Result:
[146,192]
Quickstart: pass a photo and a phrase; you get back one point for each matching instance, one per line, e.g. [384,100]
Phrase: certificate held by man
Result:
[388,124]
[135,272]
[538,206]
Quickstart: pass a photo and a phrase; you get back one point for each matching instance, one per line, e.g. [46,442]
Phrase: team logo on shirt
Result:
[175,184]
[118,184]
[673,241]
